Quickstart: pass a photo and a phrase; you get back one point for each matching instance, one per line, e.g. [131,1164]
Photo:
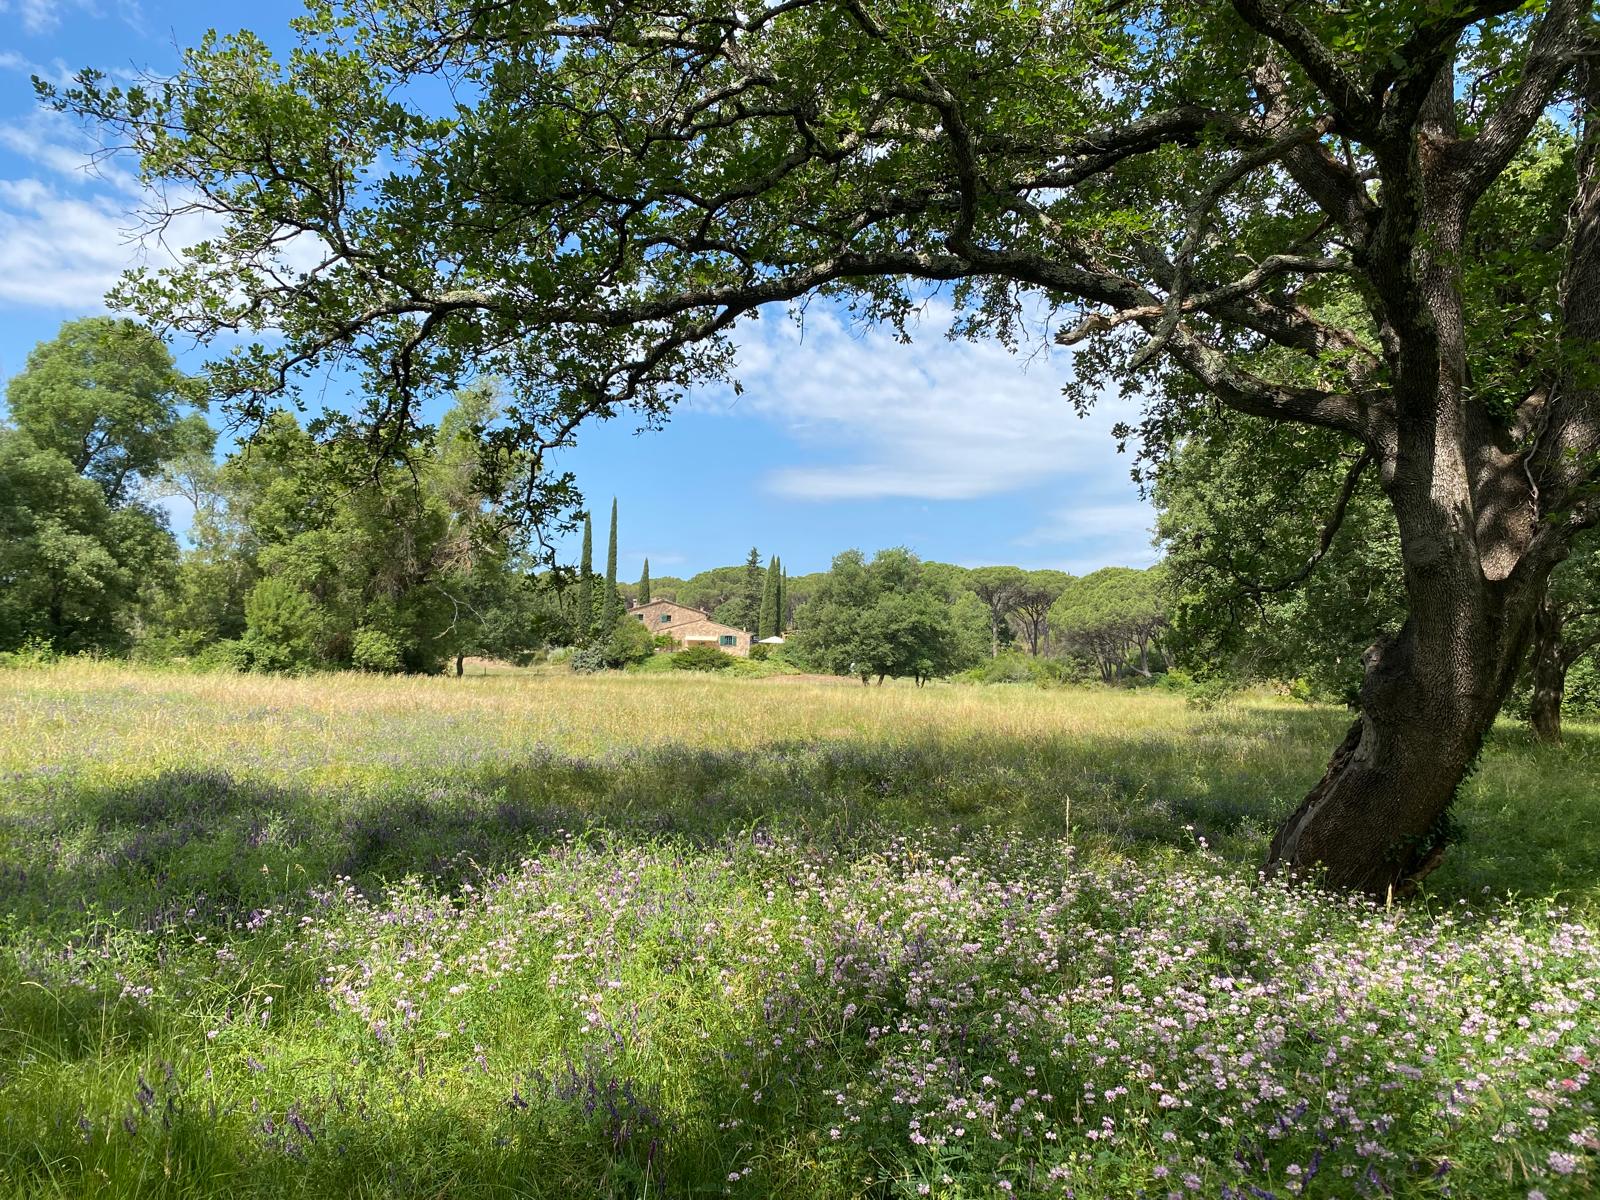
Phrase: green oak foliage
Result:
[74,570]
[105,395]
[1269,575]
[1566,635]
[416,555]
[881,619]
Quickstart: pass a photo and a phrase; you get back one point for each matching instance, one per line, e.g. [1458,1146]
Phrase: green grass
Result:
[534,934]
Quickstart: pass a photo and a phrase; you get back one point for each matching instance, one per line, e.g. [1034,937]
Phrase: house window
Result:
[638,616]
[665,617]
[729,639]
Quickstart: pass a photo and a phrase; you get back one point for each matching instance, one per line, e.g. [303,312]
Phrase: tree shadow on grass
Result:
[206,846]
[182,853]
[582,1122]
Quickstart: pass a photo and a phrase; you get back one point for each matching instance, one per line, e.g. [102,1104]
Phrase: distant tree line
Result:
[1280,558]
[302,553]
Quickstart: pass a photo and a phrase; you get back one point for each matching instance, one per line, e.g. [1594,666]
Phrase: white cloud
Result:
[1073,523]
[59,251]
[939,420]
[43,16]
[52,141]
[1096,533]
[37,16]
[57,72]
[72,225]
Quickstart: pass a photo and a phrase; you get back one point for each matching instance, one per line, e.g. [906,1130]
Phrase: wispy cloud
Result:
[50,140]
[1096,533]
[59,251]
[44,16]
[939,420]
[73,222]
[1123,520]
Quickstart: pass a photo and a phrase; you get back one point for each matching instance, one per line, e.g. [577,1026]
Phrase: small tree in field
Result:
[879,620]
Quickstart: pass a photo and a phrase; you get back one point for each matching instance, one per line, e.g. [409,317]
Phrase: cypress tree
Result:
[750,609]
[644,584]
[767,625]
[584,616]
[783,600]
[610,610]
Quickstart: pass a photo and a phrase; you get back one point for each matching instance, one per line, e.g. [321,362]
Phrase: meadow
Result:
[538,934]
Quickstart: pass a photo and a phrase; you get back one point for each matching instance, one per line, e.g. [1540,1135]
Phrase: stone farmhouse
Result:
[690,627]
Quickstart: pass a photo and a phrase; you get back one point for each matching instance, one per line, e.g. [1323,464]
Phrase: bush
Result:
[760,653]
[630,642]
[280,627]
[1206,694]
[1016,667]
[172,646]
[702,658]
[35,652]
[229,654]
[587,660]
[664,641]
[374,650]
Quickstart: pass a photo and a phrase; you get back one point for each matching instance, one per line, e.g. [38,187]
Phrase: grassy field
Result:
[544,935]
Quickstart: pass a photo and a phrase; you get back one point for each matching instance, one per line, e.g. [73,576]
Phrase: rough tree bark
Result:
[1477,544]
[1550,666]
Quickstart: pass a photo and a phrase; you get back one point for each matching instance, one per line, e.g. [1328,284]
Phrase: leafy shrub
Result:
[374,650]
[34,652]
[280,627]
[630,642]
[1583,686]
[760,653]
[587,660]
[168,647]
[663,641]
[1207,694]
[229,654]
[1015,667]
[1175,681]
[702,658]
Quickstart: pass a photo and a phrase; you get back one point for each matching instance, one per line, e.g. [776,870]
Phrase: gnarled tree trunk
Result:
[1378,820]
[1549,673]
[1479,534]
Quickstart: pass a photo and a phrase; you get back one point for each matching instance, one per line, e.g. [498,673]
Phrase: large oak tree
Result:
[587,197]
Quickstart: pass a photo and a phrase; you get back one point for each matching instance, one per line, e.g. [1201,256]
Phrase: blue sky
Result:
[842,437]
